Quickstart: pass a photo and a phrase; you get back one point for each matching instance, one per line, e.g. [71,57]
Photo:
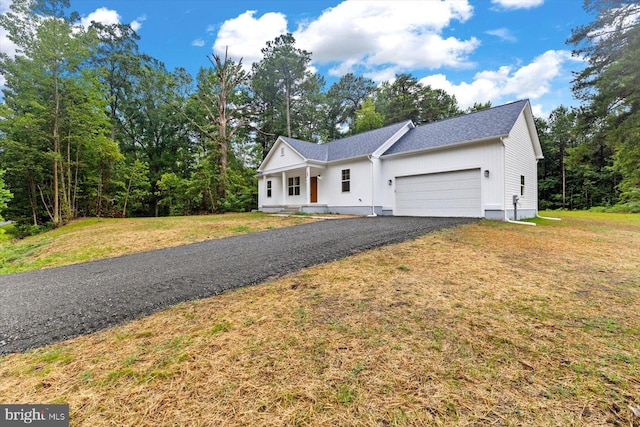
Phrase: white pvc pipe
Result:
[520,222]
[548,217]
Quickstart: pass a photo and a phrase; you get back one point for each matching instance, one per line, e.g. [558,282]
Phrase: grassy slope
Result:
[490,323]
[93,238]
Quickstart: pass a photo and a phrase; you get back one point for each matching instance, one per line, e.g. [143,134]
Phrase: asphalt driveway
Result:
[46,306]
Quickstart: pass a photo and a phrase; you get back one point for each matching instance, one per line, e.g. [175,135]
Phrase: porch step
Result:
[290,210]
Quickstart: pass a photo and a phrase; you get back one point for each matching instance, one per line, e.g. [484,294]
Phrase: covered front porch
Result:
[293,189]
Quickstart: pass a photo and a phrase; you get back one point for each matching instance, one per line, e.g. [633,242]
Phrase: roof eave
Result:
[497,138]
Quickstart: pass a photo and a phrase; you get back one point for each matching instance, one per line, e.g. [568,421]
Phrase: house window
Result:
[346,180]
[268,188]
[522,185]
[294,186]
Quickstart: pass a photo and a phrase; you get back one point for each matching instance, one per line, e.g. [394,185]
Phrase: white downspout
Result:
[373,187]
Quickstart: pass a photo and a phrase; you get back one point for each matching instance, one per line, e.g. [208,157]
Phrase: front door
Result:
[314,189]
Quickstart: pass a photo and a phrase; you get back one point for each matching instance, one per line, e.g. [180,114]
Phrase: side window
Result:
[268,188]
[522,185]
[346,180]
[294,186]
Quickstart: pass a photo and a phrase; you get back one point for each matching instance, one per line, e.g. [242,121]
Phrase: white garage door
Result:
[449,194]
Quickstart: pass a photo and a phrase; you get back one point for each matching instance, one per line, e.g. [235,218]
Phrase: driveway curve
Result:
[46,306]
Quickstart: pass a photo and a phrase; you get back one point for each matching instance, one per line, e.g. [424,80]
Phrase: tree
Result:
[286,94]
[153,129]
[5,196]
[407,99]
[221,93]
[610,85]
[367,118]
[344,98]
[52,114]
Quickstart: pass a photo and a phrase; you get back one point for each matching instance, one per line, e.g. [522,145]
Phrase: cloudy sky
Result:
[477,50]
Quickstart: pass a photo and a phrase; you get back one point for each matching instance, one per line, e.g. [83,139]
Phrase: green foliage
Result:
[610,87]
[5,196]
[407,99]
[367,118]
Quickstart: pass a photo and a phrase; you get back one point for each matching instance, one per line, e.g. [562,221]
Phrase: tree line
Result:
[91,126]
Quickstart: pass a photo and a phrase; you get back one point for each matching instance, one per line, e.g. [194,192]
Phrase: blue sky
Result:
[478,50]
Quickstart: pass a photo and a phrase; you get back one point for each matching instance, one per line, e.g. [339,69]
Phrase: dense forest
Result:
[91,126]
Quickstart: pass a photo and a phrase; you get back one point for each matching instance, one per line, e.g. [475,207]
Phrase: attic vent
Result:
[282,151]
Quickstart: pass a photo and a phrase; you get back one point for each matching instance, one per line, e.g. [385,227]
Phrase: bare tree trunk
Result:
[564,176]
[32,200]
[288,101]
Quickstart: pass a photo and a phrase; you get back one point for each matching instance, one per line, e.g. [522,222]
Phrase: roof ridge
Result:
[476,112]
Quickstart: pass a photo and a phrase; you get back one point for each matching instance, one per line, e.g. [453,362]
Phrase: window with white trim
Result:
[522,185]
[269,188]
[346,180]
[294,186]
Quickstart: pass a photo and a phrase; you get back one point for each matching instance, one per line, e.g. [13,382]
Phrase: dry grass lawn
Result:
[93,238]
[485,324]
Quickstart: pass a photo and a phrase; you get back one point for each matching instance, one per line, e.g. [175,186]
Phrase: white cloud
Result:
[381,37]
[246,35]
[109,17]
[518,4]
[397,34]
[532,81]
[4,5]
[197,43]
[136,24]
[503,34]
[102,15]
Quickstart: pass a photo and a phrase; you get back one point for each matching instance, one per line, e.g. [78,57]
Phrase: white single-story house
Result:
[474,165]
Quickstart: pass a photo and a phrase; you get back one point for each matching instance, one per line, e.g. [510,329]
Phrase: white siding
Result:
[282,156]
[330,186]
[485,156]
[520,161]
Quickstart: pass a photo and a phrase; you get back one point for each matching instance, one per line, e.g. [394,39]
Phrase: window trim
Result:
[269,188]
[346,180]
[521,185]
[293,185]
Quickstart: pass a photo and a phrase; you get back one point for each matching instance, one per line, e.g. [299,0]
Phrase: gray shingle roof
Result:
[353,146]
[493,122]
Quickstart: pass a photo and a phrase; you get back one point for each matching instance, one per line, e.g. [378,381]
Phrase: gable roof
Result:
[493,122]
[490,123]
[358,145]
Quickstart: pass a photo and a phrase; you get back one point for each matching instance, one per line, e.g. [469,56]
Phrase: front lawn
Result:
[485,324]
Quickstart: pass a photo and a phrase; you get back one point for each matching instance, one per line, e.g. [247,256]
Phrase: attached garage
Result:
[447,194]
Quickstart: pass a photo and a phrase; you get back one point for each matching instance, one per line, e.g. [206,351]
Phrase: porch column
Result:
[284,188]
[308,185]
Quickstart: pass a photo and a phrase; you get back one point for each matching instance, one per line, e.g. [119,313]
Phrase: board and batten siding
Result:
[483,156]
[520,160]
[282,157]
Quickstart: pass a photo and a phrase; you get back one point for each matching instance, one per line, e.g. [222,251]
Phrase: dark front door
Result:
[314,189]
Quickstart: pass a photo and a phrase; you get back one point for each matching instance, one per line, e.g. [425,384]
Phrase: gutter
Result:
[447,146]
[373,189]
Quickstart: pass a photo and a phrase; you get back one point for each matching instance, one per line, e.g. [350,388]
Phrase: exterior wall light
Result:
[390,182]
[486,173]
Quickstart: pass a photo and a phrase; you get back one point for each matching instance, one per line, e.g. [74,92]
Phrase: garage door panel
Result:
[442,194]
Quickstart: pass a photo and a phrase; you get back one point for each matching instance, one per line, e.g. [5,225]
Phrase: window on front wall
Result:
[269,188]
[522,185]
[294,186]
[346,180]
